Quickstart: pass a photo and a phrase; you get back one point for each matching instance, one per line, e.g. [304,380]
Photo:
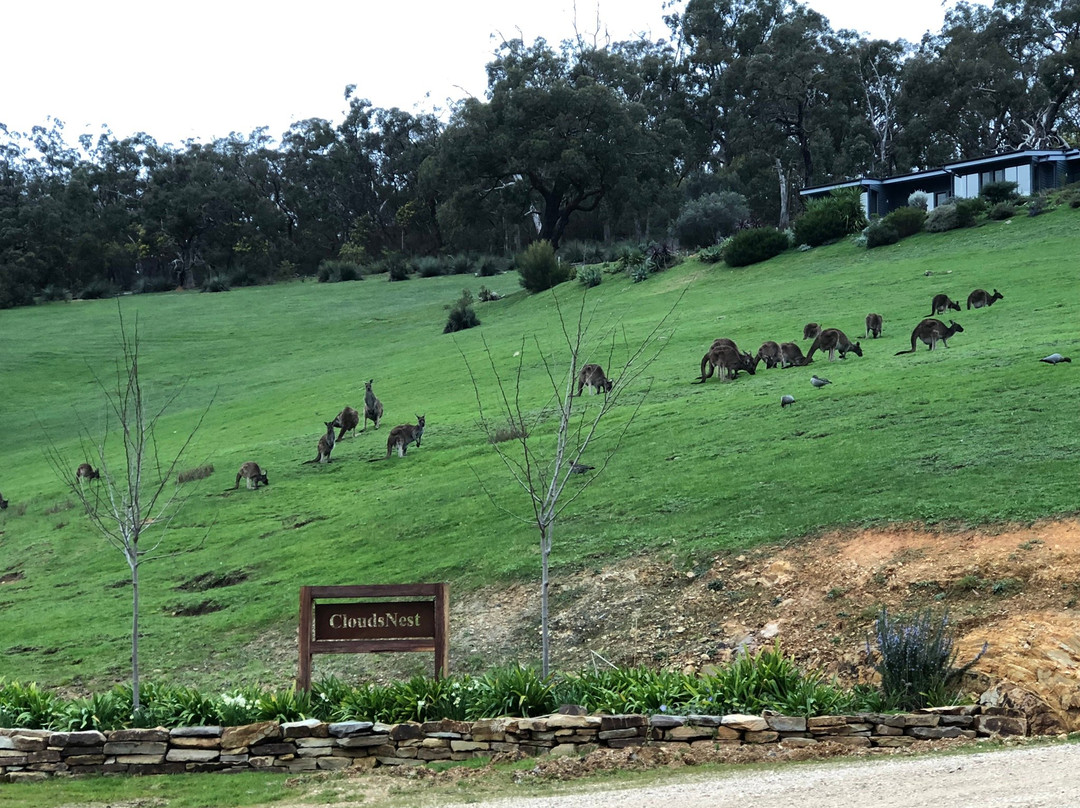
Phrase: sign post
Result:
[409,617]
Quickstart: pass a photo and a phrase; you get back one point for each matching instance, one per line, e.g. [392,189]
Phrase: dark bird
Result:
[786,400]
[1054,358]
[818,382]
[580,468]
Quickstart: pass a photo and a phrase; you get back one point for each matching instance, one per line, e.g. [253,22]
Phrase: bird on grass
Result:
[580,468]
[819,382]
[786,400]
[1054,358]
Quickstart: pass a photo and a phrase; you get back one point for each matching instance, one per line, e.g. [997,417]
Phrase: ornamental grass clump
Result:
[915,658]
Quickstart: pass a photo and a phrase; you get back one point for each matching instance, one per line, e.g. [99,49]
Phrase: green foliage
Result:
[881,233]
[462,315]
[336,271]
[590,276]
[915,658]
[754,245]
[710,218]
[968,210]
[942,218]
[581,252]
[460,264]
[489,266]
[907,221]
[1038,205]
[428,266]
[513,690]
[712,255]
[96,290]
[1001,211]
[215,283]
[996,193]
[28,706]
[918,199]
[830,218]
[539,268]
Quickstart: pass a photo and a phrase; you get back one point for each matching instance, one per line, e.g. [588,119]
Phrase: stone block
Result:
[922,720]
[299,765]
[139,736]
[257,762]
[612,722]
[1000,725]
[559,721]
[493,729]
[208,766]
[90,737]
[847,740]
[933,733]
[195,732]
[893,742]
[396,761]
[748,723]
[235,760]
[364,763]
[43,756]
[184,742]
[140,759]
[315,752]
[276,749]
[884,729]
[314,743]
[445,725]
[704,720]
[405,732]
[26,777]
[764,736]
[468,746]
[795,742]
[177,755]
[250,734]
[688,733]
[612,734]
[622,743]
[25,743]
[786,723]
[825,721]
[332,763]
[84,760]
[346,729]
[962,721]
[666,721]
[300,729]
[433,754]
[135,747]
[361,741]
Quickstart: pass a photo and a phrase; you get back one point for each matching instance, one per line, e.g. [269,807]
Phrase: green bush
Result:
[907,221]
[489,265]
[880,234]
[997,192]
[830,218]
[1037,205]
[581,252]
[942,218]
[54,292]
[1001,211]
[590,276]
[336,271]
[712,255]
[918,199]
[968,210]
[540,269]
[459,264]
[96,290]
[394,265]
[754,245]
[153,284]
[462,315]
[428,266]
[215,283]
[710,218]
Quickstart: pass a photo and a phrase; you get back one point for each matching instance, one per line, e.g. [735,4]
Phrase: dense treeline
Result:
[748,101]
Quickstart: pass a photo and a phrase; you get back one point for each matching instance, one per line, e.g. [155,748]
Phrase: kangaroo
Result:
[931,332]
[87,472]
[592,376]
[792,355]
[873,326]
[3,502]
[834,341]
[942,302]
[980,298]
[372,406]
[347,420]
[402,435]
[811,330]
[254,475]
[728,361]
[326,445]
[770,354]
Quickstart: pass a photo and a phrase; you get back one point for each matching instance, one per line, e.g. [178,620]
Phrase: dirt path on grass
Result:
[1027,777]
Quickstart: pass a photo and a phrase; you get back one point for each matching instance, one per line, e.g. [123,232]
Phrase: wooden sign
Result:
[373,619]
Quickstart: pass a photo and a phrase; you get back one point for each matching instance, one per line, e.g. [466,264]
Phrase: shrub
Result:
[880,234]
[215,283]
[539,269]
[150,284]
[336,271]
[581,252]
[997,192]
[485,295]
[16,286]
[489,265]
[831,217]
[462,315]
[1001,211]
[428,266]
[460,264]
[638,272]
[906,221]
[712,255]
[660,257]
[590,276]
[915,658]
[942,218]
[969,209]
[393,264]
[96,290]
[754,245]
[918,199]
[709,218]
[197,473]
[246,276]
[54,292]
[1037,205]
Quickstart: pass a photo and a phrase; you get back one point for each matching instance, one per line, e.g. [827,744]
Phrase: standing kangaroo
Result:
[592,376]
[980,298]
[770,354]
[86,472]
[811,330]
[792,355]
[834,341]
[728,360]
[326,445]
[254,475]
[372,406]
[941,303]
[873,326]
[347,420]
[402,435]
[932,332]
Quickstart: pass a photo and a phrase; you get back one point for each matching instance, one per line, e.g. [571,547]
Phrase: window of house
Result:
[941,198]
[986,177]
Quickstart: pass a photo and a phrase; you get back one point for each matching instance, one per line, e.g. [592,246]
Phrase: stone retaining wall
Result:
[313,745]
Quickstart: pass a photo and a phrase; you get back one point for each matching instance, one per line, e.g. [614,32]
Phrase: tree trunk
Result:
[134,563]
[782,177]
[545,551]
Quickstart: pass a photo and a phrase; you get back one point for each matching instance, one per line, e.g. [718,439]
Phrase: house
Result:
[1033,170]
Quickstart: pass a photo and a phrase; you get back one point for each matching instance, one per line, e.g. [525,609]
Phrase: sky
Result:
[179,69]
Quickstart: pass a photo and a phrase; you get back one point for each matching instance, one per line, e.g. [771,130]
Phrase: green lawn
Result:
[977,433]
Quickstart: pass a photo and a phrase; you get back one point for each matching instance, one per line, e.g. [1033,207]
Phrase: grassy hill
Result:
[977,433]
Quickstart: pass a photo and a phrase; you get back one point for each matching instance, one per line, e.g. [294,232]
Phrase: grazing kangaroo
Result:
[873,326]
[792,355]
[834,341]
[942,302]
[770,354]
[980,298]
[86,472]
[347,420]
[372,406]
[254,475]
[402,435]
[932,332]
[592,376]
[811,330]
[326,445]
[728,361]
[3,502]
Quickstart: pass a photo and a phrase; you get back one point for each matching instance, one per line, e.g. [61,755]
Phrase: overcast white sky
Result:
[201,69]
